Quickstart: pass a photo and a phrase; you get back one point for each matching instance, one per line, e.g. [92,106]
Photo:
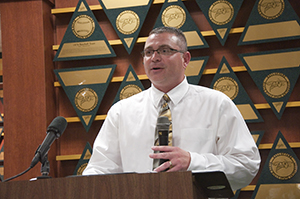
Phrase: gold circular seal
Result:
[127,22]
[270,9]
[228,86]
[283,166]
[173,16]
[276,85]
[86,99]
[221,12]
[81,169]
[83,26]
[129,91]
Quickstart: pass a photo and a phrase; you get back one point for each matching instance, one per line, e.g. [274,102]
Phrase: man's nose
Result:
[156,55]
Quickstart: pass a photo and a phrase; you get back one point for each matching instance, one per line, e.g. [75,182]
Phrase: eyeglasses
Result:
[163,50]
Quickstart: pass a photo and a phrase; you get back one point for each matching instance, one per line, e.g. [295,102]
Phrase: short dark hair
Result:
[177,32]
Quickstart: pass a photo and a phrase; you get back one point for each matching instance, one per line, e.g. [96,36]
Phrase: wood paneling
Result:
[27,32]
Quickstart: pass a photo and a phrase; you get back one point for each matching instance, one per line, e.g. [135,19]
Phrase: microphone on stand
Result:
[54,131]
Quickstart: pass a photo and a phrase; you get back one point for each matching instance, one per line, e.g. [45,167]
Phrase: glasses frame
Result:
[157,50]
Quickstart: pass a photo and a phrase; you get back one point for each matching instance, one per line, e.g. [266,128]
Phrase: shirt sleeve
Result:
[106,153]
[237,154]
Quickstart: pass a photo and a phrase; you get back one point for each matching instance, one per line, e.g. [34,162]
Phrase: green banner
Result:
[195,69]
[257,136]
[275,74]
[127,17]
[280,176]
[175,14]
[270,21]
[220,14]
[84,38]
[227,82]
[85,88]
[84,159]
[130,85]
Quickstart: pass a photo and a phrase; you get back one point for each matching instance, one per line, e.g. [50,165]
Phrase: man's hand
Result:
[179,160]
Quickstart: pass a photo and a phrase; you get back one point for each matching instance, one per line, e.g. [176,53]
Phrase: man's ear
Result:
[186,58]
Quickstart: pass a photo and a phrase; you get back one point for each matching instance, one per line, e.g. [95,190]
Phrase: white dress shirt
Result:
[206,123]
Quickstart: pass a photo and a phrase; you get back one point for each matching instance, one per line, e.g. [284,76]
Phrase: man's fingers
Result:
[180,159]
[164,166]
[160,155]
[163,148]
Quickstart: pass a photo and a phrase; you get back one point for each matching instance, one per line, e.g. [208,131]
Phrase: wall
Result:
[31,103]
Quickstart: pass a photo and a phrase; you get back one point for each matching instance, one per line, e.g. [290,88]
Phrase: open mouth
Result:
[156,68]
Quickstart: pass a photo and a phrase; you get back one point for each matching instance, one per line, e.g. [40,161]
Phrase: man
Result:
[209,132]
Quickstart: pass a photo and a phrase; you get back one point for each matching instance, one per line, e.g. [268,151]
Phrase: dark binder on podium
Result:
[214,184]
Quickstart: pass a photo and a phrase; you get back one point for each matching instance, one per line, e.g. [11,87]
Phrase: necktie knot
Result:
[165,106]
[166,98]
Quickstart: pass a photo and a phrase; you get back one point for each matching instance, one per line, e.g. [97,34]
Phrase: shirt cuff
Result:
[198,162]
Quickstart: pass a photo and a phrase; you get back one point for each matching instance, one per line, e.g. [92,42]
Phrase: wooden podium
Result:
[128,185]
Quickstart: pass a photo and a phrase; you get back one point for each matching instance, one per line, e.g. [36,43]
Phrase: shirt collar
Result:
[176,94]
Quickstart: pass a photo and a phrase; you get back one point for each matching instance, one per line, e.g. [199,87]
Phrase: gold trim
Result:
[262,106]
[267,106]
[237,30]
[68,157]
[249,188]
[76,119]
[72,9]
[266,146]
[141,40]
[293,104]
[269,146]
[214,70]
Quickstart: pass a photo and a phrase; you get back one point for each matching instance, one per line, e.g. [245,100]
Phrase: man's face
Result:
[165,71]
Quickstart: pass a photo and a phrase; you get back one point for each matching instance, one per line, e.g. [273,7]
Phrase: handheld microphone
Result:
[162,127]
[54,131]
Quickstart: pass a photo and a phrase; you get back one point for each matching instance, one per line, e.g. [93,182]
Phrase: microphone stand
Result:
[45,168]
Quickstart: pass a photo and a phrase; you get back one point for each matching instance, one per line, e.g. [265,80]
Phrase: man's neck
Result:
[167,88]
